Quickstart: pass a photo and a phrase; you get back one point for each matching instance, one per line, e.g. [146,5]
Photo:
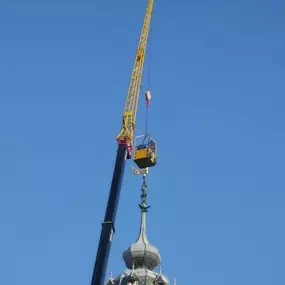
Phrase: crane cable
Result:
[148,94]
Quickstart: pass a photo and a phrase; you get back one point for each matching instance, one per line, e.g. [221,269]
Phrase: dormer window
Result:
[131,281]
[161,280]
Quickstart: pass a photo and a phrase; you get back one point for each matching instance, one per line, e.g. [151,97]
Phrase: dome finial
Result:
[144,208]
[143,204]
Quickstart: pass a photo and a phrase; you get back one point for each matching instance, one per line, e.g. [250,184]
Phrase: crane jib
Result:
[126,134]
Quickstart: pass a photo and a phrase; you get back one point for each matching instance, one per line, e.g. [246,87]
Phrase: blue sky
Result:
[217,194]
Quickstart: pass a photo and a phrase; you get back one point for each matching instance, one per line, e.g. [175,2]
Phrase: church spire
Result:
[144,208]
[142,254]
[141,258]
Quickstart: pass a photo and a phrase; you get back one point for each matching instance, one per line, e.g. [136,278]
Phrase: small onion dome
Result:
[142,254]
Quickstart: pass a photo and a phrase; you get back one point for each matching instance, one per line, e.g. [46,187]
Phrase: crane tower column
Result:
[108,226]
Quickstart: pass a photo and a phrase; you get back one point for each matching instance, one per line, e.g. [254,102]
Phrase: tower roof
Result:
[141,258]
[142,254]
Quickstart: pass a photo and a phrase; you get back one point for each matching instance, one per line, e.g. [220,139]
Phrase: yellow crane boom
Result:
[129,117]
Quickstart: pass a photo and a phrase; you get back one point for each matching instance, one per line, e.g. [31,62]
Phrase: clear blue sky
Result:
[217,194]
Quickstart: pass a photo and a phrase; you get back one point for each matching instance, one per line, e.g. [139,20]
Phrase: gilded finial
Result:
[136,171]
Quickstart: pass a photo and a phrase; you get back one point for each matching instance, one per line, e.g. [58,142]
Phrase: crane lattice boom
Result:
[129,117]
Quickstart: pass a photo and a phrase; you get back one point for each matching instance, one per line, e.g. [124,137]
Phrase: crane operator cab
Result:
[145,151]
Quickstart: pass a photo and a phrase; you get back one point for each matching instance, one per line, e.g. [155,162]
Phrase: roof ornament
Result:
[136,171]
[143,205]
[142,254]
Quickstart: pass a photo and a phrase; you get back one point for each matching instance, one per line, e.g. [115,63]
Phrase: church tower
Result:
[141,258]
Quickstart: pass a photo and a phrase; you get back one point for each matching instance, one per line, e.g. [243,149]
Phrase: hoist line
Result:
[146,120]
[149,64]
